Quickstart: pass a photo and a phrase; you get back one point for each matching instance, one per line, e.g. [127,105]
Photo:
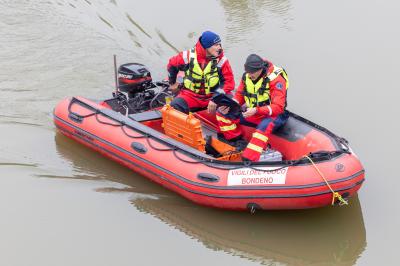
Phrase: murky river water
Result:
[62,204]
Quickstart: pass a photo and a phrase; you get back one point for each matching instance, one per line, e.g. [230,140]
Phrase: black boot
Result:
[240,145]
[237,142]
[231,142]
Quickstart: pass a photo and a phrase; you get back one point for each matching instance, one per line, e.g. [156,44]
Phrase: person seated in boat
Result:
[206,72]
[262,93]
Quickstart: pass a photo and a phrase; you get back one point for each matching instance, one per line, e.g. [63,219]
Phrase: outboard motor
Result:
[134,78]
[136,90]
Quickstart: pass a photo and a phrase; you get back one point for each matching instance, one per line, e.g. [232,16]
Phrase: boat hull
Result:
[236,187]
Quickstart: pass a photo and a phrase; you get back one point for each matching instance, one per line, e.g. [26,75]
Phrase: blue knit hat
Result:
[209,38]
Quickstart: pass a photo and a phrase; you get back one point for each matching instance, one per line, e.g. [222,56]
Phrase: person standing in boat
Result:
[207,72]
[263,92]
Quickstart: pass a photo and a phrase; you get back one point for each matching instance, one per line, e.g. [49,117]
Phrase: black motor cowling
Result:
[136,90]
[134,78]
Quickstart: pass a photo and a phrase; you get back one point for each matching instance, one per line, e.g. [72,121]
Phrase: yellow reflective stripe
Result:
[223,119]
[254,147]
[260,136]
[228,128]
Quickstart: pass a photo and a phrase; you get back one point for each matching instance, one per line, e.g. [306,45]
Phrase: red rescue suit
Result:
[268,96]
[189,100]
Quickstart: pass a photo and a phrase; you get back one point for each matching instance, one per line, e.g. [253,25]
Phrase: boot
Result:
[250,155]
[231,142]
[240,144]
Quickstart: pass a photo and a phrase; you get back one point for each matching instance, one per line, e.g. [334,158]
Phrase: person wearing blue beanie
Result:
[209,38]
[205,70]
[212,43]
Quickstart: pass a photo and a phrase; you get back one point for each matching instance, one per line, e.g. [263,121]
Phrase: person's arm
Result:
[227,84]
[227,81]
[277,98]
[175,64]
[239,95]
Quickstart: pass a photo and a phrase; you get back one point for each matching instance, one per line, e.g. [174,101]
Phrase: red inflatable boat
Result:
[316,168]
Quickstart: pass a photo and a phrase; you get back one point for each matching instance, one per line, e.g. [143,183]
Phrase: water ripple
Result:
[137,25]
[105,21]
[19,164]
[246,17]
[166,41]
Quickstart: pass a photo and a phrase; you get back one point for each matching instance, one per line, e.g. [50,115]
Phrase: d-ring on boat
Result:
[307,166]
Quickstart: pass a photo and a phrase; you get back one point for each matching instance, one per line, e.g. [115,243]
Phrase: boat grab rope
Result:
[96,111]
[335,195]
[131,136]
[175,150]
[155,148]
[200,160]
[107,123]
[197,160]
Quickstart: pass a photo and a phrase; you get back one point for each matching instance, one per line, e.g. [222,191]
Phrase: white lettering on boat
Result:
[260,176]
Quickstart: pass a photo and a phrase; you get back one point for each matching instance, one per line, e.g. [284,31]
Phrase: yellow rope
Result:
[334,193]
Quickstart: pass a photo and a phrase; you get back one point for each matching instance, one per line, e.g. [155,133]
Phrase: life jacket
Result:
[201,81]
[259,94]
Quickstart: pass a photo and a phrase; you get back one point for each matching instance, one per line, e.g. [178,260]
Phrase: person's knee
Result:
[243,121]
[280,121]
[266,125]
[180,105]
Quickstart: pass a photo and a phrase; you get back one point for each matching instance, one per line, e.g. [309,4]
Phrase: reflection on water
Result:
[319,237]
[105,21]
[137,25]
[89,165]
[164,40]
[246,17]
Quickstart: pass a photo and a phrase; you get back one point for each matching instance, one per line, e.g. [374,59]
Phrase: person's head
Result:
[212,43]
[254,66]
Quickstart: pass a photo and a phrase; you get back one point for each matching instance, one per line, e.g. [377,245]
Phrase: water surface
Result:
[63,204]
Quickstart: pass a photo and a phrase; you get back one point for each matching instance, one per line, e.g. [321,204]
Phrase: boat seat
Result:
[146,116]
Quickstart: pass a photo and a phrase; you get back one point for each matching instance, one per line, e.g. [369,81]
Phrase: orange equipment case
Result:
[187,129]
[182,127]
